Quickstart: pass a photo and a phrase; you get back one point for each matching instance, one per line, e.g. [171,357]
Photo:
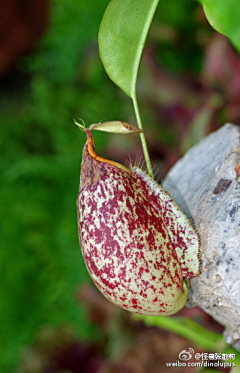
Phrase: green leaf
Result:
[224,16]
[122,36]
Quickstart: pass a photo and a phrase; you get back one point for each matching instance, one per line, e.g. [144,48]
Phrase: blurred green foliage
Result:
[179,53]
[40,147]
[41,264]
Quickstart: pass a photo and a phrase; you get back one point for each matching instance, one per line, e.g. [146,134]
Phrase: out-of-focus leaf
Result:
[122,36]
[200,123]
[224,16]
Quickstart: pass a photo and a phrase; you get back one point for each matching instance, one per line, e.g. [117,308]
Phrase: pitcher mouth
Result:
[91,152]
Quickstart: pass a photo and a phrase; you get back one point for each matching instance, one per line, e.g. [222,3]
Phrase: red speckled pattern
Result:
[183,236]
[125,240]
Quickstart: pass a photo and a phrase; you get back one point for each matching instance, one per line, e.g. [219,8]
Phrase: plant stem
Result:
[142,137]
[187,328]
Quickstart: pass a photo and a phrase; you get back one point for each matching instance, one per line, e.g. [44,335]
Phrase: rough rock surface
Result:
[206,185]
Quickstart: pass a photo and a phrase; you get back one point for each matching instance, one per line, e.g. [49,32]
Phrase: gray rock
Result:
[206,185]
